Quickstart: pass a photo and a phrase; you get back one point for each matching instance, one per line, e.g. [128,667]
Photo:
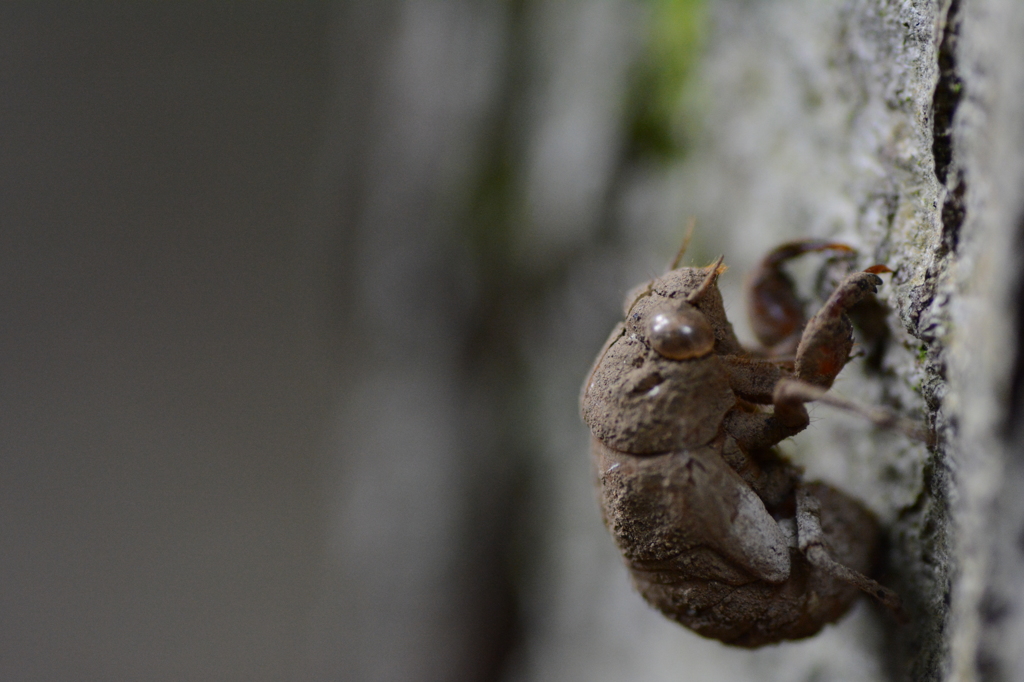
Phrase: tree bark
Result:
[895,127]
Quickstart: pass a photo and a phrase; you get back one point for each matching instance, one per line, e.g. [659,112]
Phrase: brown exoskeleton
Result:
[719,531]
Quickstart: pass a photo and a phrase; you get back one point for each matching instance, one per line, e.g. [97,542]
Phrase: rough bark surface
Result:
[892,125]
[895,127]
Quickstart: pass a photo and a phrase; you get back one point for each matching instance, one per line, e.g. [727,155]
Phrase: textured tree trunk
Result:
[897,128]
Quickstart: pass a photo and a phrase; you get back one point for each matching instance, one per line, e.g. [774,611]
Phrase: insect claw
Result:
[776,312]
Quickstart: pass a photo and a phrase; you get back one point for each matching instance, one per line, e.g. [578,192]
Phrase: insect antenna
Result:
[691,223]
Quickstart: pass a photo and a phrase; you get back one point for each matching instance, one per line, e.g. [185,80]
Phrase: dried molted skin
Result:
[714,561]
[637,401]
[769,475]
[662,509]
[719,531]
[674,287]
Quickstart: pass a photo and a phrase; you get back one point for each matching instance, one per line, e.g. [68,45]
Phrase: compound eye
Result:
[681,334]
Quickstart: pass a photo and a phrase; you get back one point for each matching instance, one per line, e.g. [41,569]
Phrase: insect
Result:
[719,531]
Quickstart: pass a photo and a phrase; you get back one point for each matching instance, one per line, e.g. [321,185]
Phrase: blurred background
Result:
[297,300]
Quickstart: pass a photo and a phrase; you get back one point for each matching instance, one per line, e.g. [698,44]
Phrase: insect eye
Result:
[681,334]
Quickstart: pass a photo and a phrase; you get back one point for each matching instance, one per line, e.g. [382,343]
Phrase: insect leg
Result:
[776,314]
[790,392]
[827,339]
[812,543]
